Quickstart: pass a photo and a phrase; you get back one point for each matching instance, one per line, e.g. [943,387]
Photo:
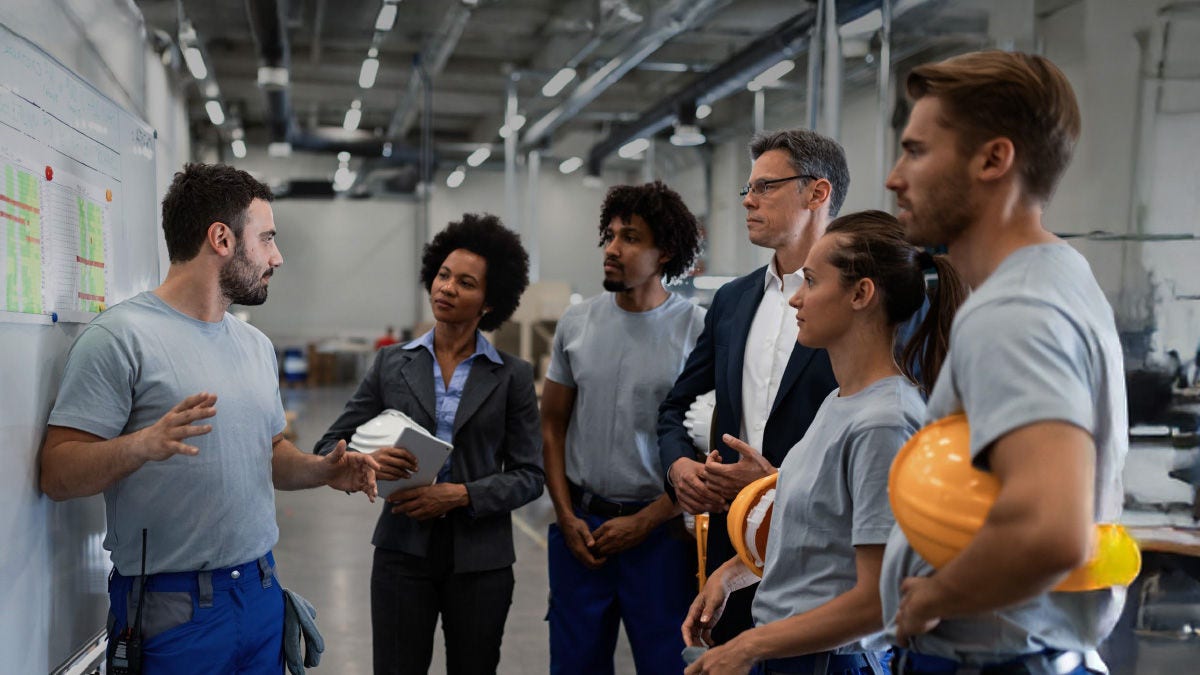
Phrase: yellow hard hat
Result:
[940,501]
[749,521]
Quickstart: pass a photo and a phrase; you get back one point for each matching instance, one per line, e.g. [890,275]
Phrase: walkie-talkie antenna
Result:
[137,618]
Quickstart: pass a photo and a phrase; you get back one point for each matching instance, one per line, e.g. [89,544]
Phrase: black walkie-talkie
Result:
[126,654]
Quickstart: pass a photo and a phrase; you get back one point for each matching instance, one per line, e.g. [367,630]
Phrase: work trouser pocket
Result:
[163,611]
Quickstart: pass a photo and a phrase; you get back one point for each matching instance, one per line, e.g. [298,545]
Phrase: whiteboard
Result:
[102,191]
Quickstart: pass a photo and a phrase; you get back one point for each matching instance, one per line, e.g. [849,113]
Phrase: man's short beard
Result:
[239,284]
[615,286]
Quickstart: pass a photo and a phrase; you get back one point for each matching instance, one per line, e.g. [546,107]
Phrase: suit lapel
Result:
[481,381]
[797,362]
[743,316]
[418,373]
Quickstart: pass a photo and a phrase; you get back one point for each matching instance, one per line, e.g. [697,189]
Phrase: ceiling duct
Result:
[787,41]
[268,25]
[434,56]
[666,23]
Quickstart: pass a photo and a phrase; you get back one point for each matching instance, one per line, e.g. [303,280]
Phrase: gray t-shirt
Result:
[134,363]
[622,365]
[832,496]
[1035,342]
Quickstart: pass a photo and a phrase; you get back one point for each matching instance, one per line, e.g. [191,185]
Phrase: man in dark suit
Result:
[768,387]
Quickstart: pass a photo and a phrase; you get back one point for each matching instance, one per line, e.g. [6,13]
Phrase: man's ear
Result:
[822,190]
[995,159]
[221,239]
[864,293]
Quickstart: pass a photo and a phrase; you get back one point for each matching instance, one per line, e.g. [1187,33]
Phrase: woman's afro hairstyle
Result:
[507,262]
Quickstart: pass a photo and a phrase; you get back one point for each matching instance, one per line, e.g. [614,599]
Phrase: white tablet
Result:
[431,453]
[393,428]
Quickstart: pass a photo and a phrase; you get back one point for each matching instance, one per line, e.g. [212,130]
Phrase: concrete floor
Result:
[324,553]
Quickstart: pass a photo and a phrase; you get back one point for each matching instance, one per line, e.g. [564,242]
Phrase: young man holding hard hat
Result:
[1034,363]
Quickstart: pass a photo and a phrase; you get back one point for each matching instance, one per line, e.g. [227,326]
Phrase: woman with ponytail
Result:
[819,596]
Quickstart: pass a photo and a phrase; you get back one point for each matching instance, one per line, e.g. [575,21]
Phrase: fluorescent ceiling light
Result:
[570,164]
[195,62]
[215,113]
[343,179]
[211,90]
[456,178]
[516,122]
[279,149]
[771,75]
[505,132]
[387,17]
[687,135]
[343,156]
[561,79]
[366,76]
[867,23]
[479,156]
[271,77]
[239,148]
[353,117]
[703,111]
[634,148]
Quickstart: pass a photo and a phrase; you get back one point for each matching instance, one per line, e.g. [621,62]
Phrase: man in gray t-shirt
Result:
[170,407]
[616,553]
[1034,362]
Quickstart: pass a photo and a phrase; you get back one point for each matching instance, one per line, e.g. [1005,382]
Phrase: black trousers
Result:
[408,594]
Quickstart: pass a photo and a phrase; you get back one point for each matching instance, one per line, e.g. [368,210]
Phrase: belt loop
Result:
[265,571]
[204,581]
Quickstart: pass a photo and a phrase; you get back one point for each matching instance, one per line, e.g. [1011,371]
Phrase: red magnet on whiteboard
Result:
[49,173]
[108,195]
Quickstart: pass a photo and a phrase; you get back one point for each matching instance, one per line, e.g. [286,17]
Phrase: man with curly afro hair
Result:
[614,554]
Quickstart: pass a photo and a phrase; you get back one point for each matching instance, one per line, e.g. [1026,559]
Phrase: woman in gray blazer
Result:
[446,549]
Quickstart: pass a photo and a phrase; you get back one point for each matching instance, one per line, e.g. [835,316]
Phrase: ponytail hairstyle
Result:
[871,245]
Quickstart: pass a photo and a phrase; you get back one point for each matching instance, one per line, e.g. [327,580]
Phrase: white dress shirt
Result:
[768,348]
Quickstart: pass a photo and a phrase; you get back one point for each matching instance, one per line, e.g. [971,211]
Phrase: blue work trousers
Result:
[648,587]
[191,627]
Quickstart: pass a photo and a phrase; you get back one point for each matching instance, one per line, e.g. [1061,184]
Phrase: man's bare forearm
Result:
[78,464]
[292,469]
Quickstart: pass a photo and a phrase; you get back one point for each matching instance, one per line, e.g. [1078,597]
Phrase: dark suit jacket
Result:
[716,363]
[497,449]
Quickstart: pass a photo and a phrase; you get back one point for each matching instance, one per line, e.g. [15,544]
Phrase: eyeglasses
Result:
[761,187]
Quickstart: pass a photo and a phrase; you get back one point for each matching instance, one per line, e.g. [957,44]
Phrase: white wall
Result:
[51,560]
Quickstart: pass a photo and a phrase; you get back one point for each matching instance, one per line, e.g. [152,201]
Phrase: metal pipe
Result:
[511,205]
[815,46]
[530,238]
[760,111]
[268,25]
[883,143]
[833,73]
[678,16]
[434,55]
[423,229]
[786,41]
[648,162]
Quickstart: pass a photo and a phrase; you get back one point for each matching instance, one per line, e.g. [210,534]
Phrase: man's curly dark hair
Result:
[675,230]
[507,262]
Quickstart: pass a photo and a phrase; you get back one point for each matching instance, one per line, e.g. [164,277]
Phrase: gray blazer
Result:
[497,449]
